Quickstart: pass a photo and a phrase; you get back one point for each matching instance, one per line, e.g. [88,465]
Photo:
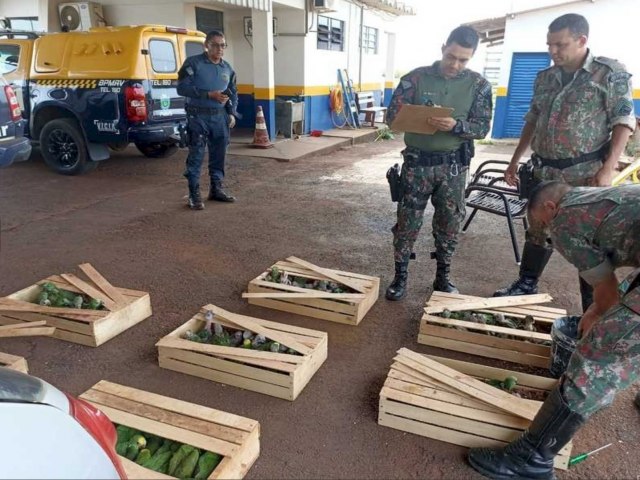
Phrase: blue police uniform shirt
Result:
[199,75]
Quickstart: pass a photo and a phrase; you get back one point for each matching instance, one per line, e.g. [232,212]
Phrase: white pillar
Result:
[389,80]
[263,66]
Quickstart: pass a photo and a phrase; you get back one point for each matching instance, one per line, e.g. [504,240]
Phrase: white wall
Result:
[289,43]
[239,52]
[612,25]
[19,8]
[139,12]
[322,65]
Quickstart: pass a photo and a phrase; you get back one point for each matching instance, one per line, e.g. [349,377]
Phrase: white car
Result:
[46,433]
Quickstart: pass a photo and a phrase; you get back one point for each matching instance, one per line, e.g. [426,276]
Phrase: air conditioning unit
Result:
[324,5]
[78,16]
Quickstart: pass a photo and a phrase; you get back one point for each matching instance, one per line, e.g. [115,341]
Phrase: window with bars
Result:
[330,34]
[369,40]
[207,20]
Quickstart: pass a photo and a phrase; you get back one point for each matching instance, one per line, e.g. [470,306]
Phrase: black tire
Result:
[64,148]
[157,150]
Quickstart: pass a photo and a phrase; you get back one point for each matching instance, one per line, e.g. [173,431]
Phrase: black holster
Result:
[527,180]
[184,136]
[393,177]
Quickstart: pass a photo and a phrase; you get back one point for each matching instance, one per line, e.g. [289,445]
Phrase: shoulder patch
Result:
[189,71]
[613,64]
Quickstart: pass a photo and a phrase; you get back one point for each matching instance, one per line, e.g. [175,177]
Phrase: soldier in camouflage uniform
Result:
[580,119]
[435,166]
[598,231]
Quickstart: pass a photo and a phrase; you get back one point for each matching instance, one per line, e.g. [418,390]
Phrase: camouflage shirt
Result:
[598,229]
[474,118]
[579,117]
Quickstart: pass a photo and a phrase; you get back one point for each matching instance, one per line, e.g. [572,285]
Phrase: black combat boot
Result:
[638,399]
[398,287]
[534,259]
[218,194]
[442,283]
[195,200]
[531,456]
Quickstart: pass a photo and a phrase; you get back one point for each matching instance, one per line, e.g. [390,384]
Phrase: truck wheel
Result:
[157,150]
[64,148]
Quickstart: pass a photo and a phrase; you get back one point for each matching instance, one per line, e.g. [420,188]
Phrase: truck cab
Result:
[86,93]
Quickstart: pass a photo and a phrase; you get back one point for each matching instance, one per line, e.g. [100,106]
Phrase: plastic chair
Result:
[488,191]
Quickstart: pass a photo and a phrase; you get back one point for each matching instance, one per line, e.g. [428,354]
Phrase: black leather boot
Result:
[534,260]
[398,287]
[442,283]
[217,193]
[531,456]
[195,200]
[638,399]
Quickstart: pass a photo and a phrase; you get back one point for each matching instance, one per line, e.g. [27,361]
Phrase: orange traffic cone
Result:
[261,136]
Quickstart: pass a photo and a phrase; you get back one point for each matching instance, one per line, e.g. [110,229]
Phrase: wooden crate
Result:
[348,308]
[13,362]
[442,399]
[124,308]
[469,337]
[236,438]
[277,374]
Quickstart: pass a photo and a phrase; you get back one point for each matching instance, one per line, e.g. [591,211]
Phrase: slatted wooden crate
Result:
[278,374]
[448,400]
[13,362]
[236,438]
[485,340]
[348,308]
[124,308]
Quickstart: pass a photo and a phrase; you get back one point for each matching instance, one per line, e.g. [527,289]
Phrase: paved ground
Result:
[129,219]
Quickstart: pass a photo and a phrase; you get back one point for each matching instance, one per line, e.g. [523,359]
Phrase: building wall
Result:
[302,71]
[139,13]
[322,65]
[528,33]
[19,8]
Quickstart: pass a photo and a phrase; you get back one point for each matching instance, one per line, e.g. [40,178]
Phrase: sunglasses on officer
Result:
[213,45]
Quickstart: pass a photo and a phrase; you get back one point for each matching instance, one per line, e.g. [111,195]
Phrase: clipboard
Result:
[413,118]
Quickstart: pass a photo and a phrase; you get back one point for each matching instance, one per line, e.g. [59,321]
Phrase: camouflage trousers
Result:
[577,176]
[447,197]
[607,360]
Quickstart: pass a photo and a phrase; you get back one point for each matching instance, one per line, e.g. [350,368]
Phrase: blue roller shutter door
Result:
[524,68]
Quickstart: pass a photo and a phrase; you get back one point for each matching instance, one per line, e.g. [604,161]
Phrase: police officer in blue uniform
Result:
[209,83]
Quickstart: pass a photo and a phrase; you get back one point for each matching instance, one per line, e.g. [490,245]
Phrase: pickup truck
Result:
[86,93]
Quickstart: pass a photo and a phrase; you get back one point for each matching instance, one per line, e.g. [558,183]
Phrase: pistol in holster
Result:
[393,177]
[526,179]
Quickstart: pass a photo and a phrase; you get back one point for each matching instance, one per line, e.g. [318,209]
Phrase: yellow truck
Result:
[84,93]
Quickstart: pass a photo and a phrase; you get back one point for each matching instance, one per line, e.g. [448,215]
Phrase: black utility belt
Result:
[563,163]
[420,158]
[204,110]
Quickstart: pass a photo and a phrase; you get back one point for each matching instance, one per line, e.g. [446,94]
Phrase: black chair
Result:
[488,191]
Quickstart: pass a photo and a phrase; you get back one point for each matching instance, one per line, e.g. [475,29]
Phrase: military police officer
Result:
[209,83]
[598,231]
[435,166]
[578,124]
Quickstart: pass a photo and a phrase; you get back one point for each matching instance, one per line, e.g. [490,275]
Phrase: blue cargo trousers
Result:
[210,131]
